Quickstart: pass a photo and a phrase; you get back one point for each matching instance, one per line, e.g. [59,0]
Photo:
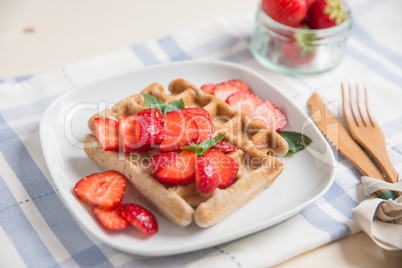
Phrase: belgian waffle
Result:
[257,158]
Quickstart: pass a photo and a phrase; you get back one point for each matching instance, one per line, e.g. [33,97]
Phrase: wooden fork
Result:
[365,130]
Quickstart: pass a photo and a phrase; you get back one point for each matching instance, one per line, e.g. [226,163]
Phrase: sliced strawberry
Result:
[205,127]
[224,147]
[240,85]
[110,219]
[162,160]
[155,115]
[195,110]
[182,130]
[208,88]
[225,166]
[206,177]
[140,217]
[105,189]
[224,90]
[244,102]
[179,171]
[138,134]
[107,132]
[270,115]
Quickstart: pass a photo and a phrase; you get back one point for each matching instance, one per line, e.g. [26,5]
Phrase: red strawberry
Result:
[205,127]
[179,171]
[110,219]
[288,12]
[155,114]
[206,177]
[296,54]
[195,110]
[140,217]
[182,130]
[138,134]
[224,90]
[224,147]
[325,13]
[244,102]
[105,189]
[225,166]
[208,88]
[270,115]
[240,85]
[162,160]
[107,133]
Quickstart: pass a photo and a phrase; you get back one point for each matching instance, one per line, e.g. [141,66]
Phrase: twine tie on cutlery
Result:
[380,219]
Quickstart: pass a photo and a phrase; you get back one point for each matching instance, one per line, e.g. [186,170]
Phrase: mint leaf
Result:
[174,106]
[153,102]
[297,141]
[204,146]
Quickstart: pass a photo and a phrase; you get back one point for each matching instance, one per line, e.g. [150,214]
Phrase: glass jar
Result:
[292,50]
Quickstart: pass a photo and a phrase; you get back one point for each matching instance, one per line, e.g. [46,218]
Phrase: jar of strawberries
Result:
[301,36]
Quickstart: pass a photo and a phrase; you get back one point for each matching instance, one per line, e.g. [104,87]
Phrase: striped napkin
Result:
[38,231]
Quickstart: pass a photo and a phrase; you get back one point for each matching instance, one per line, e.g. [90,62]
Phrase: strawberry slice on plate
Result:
[224,90]
[195,110]
[110,219]
[244,102]
[154,114]
[205,126]
[105,189]
[162,160]
[208,88]
[225,166]
[107,132]
[181,170]
[240,85]
[182,130]
[140,217]
[270,115]
[138,134]
[224,147]
[206,177]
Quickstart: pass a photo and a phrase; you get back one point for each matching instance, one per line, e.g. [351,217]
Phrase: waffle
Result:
[259,147]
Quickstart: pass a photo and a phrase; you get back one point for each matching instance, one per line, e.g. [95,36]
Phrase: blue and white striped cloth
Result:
[36,229]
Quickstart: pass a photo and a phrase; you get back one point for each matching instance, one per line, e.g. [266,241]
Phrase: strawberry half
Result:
[162,160]
[181,170]
[205,127]
[182,130]
[140,217]
[224,147]
[240,85]
[206,177]
[110,219]
[154,114]
[208,88]
[107,132]
[270,115]
[138,134]
[244,102]
[225,166]
[105,189]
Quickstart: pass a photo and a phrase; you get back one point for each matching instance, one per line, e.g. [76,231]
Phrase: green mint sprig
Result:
[153,102]
[200,149]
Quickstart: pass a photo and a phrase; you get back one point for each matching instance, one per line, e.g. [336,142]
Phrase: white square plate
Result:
[307,176]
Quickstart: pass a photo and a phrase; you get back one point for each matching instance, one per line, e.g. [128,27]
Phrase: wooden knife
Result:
[339,137]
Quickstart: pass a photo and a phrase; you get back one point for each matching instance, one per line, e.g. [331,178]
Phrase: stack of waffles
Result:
[257,158]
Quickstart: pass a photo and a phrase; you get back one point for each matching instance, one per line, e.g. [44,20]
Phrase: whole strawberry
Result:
[325,13]
[288,12]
